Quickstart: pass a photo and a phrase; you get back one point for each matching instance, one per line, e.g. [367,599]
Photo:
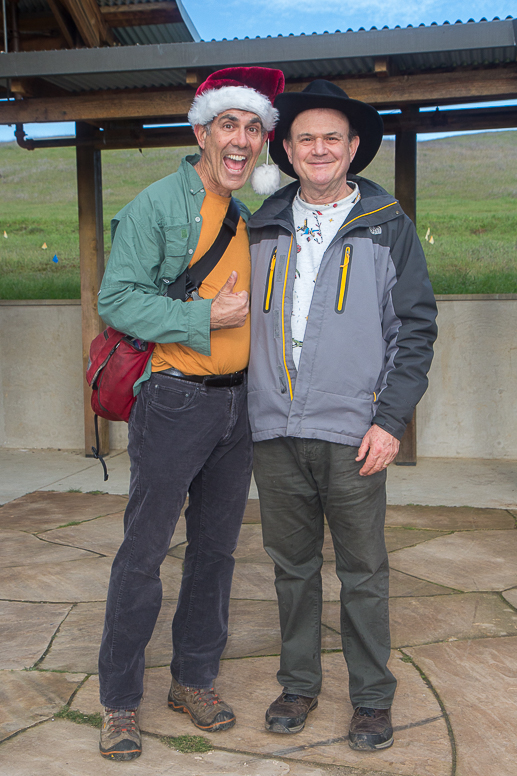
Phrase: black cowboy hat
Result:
[324,94]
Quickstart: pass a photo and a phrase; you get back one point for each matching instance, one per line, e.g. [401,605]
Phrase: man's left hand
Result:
[381,447]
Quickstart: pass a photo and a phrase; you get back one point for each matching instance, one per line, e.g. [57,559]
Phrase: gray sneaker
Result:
[120,735]
[207,711]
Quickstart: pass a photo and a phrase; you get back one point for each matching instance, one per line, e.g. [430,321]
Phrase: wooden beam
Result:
[89,21]
[428,88]
[91,250]
[36,87]
[405,170]
[407,450]
[381,67]
[108,104]
[501,117]
[64,22]
[43,43]
[390,92]
[141,15]
[405,192]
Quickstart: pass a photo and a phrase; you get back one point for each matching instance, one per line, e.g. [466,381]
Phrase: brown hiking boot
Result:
[370,729]
[120,735]
[207,711]
[288,713]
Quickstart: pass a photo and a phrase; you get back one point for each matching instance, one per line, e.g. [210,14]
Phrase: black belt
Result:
[215,381]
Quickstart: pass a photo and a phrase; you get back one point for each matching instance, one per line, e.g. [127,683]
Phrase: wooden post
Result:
[405,192]
[91,248]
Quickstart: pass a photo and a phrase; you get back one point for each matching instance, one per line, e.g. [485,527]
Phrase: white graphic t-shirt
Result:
[316,227]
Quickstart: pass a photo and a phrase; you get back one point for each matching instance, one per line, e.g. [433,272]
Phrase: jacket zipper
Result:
[342,286]
[283,320]
[270,282]
[363,215]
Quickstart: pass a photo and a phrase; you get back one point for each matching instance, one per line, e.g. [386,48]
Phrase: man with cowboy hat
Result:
[343,324]
[188,430]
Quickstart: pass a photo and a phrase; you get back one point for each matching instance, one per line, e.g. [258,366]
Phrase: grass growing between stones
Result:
[95,720]
[187,744]
[467,193]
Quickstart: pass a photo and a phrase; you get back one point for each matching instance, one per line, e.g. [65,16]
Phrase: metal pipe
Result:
[4,11]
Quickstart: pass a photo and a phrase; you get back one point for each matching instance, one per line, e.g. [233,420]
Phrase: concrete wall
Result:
[468,411]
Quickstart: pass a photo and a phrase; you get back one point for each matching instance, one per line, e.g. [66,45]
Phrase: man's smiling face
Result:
[230,148]
[320,150]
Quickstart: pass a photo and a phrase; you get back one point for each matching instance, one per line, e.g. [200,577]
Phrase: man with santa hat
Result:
[188,430]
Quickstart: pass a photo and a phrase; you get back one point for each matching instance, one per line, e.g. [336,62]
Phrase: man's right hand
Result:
[229,310]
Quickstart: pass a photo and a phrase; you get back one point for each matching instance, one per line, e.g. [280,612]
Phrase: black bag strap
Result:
[192,277]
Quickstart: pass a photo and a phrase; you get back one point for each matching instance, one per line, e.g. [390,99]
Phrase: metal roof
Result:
[410,50]
[179,32]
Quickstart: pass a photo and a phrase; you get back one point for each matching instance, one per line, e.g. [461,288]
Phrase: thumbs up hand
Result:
[229,309]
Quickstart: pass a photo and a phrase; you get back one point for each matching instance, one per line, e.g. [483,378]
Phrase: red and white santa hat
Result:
[242,88]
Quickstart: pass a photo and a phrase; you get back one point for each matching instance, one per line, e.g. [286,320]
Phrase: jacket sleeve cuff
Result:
[394,428]
[199,326]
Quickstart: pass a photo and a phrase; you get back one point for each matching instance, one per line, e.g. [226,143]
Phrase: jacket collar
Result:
[375,205]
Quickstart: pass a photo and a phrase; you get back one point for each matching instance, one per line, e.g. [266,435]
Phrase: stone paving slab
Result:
[103,535]
[253,630]
[477,682]
[250,549]
[21,549]
[73,581]
[255,581]
[440,618]
[473,560]
[448,518]
[29,697]
[422,745]
[26,630]
[41,511]
[62,748]
[511,596]
[405,585]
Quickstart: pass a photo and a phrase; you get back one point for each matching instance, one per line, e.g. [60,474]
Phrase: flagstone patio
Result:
[454,639]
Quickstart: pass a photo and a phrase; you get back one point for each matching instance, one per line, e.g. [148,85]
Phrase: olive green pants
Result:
[301,481]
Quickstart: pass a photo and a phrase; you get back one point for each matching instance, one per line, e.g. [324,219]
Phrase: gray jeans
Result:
[301,481]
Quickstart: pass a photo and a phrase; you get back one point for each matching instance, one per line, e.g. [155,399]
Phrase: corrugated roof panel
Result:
[150,79]
[156,33]
[128,36]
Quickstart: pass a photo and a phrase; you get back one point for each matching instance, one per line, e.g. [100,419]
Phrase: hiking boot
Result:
[207,711]
[288,713]
[120,735]
[370,729]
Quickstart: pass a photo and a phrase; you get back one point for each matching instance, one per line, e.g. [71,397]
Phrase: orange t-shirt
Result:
[230,348]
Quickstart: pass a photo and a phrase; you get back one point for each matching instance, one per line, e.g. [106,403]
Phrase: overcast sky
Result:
[238,19]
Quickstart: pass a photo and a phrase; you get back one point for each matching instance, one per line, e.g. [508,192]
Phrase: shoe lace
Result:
[364,711]
[290,697]
[123,721]
[206,696]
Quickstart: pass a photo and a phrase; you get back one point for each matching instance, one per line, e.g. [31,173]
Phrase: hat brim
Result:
[363,117]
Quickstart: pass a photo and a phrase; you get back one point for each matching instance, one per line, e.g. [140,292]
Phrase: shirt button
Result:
[197,218]
[191,191]
[190,251]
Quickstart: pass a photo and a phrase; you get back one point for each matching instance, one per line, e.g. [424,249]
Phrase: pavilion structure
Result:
[122,70]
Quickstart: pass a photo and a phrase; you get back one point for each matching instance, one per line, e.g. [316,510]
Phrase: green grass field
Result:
[467,195]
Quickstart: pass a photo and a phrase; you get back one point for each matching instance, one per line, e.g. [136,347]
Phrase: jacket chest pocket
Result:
[176,241]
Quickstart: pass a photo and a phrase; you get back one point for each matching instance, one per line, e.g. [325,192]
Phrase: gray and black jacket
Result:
[369,340]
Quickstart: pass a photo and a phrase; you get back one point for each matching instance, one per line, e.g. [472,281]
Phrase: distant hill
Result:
[467,197]
[467,167]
